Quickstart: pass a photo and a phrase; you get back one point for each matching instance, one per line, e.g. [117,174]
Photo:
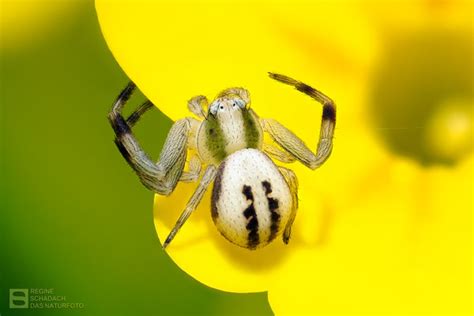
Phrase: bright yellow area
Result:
[402,247]
[450,132]
[375,233]
[197,47]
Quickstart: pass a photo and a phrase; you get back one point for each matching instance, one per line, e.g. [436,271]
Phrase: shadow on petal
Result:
[201,251]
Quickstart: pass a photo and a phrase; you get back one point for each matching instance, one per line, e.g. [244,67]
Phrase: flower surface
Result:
[376,232]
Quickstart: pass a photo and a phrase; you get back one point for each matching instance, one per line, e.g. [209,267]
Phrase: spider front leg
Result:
[163,176]
[292,143]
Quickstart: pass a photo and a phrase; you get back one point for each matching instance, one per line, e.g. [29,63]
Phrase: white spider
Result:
[253,199]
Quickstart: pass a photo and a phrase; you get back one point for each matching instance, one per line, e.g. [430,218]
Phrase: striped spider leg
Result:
[291,143]
[293,147]
[163,176]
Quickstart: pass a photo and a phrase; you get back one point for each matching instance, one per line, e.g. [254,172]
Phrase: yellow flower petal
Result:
[213,46]
[174,50]
[374,232]
[405,251]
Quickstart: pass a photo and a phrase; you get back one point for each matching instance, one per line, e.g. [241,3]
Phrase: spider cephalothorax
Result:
[253,199]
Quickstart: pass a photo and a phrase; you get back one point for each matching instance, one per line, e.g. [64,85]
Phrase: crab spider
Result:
[253,200]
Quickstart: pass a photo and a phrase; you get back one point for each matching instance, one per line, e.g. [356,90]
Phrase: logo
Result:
[41,298]
[19,298]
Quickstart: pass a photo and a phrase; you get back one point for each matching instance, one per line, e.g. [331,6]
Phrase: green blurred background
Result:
[73,215]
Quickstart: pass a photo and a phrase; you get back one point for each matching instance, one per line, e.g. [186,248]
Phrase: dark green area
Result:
[74,217]
[418,72]
[215,141]
[252,132]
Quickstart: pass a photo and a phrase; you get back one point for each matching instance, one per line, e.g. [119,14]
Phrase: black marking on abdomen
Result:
[250,213]
[216,191]
[247,191]
[273,208]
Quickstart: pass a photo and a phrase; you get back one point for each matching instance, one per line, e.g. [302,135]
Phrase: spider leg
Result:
[137,114]
[197,104]
[292,181]
[194,170]
[163,176]
[244,94]
[207,178]
[292,143]
[278,154]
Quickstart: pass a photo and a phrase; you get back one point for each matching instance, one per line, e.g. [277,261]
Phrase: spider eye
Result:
[213,109]
[240,103]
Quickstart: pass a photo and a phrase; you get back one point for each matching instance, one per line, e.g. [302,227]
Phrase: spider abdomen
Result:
[251,201]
